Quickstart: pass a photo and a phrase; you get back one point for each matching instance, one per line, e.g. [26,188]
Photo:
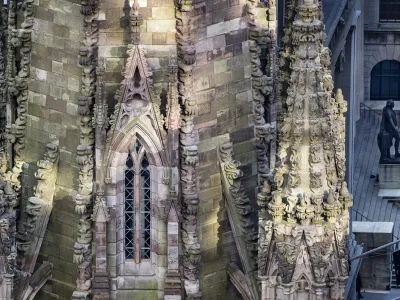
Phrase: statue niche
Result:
[388,132]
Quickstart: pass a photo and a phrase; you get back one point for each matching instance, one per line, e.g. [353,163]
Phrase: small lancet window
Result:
[145,208]
[137,204]
[129,208]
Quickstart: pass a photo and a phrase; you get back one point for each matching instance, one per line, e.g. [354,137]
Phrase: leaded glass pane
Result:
[129,209]
[145,209]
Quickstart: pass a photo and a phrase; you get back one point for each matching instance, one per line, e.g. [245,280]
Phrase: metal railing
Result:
[369,113]
[360,217]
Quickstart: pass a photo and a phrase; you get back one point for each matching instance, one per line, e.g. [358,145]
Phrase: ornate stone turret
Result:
[304,221]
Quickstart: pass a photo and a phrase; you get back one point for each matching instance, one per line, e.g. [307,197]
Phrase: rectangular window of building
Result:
[389,11]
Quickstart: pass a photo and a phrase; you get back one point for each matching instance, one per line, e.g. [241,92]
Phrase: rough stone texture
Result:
[157,36]
[223,91]
[54,87]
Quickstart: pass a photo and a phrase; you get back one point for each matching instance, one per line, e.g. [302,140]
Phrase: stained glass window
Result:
[137,204]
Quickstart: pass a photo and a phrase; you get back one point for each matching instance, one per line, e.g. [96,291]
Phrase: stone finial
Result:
[136,20]
[173,118]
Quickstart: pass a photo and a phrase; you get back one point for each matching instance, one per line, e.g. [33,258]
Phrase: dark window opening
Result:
[137,204]
[389,11]
[385,81]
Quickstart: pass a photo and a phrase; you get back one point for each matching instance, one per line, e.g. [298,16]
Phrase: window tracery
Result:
[137,193]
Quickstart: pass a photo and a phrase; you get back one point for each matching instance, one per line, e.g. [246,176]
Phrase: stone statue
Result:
[388,131]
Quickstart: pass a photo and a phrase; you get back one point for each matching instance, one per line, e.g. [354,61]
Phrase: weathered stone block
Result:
[38,111]
[137,294]
[158,3]
[223,78]
[163,13]
[73,84]
[201,83]
[60,30]
[161,26]
[114,64]
[159,38]
[57,67]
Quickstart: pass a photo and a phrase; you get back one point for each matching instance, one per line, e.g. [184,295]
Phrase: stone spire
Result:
[304,221]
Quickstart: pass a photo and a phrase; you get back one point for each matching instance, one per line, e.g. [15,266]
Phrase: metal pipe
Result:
[374,250]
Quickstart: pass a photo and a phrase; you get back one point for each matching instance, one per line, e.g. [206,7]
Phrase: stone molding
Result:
[17,85]
[88,59]
[13,101]
[262,88]
[240,281]
[32,230]
[241,216]
[188,149]
[3,83]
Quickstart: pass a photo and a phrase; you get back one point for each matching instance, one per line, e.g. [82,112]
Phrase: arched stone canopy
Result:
[123,142]
[148,136]
[136,117]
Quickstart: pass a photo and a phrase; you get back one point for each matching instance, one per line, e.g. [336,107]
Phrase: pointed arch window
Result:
[137,204]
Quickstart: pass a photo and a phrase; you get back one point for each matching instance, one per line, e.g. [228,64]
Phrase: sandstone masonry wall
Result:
[223,90]
[52,111]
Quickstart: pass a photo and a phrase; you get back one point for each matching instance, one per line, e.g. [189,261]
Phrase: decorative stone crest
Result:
[262,87]
[135,97]
[85,151]
[188,149]
[17,84]
[305,217]
[173,119]
[240,212]
[32,230]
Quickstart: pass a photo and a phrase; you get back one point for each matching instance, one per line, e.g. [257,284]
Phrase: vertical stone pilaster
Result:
[85,150]
[262,89]
[101,280]
[3,86]
[101,285]
[8,286]
[188,150]
[173,277]
[173,216]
